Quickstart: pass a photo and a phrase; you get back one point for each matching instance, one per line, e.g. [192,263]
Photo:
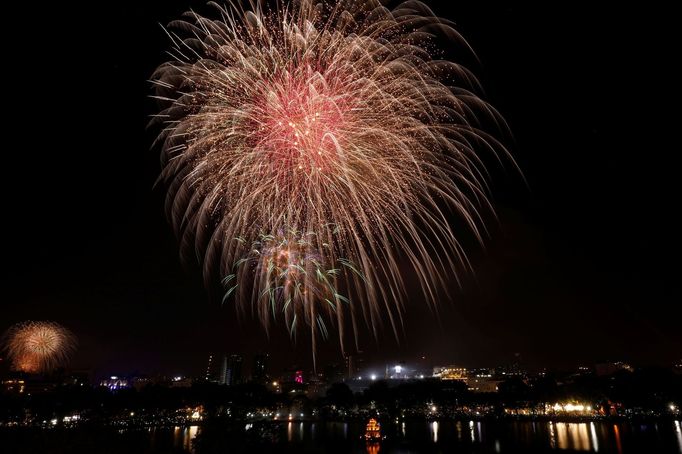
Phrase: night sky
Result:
[581,266]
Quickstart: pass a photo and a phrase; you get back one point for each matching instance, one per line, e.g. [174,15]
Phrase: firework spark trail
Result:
[38,346]
[312,115]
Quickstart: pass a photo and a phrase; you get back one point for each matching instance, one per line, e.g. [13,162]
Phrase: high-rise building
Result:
[233,373]
[212,374]
[334,373]
[260,368]
[353,365]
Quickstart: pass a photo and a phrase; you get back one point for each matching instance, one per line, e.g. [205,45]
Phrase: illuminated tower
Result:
[233,370]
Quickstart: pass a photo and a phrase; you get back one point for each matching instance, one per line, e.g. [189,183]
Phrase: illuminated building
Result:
[233,370]
[298,377]
[212,373]
[451,373]
[482,384]
[13,386]
[114,383]
[398,371]
[180,382]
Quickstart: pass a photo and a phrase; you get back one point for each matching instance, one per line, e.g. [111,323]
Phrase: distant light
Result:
[398,369]
[196,415]
[178,378]
[421,375]
[54,422]
[433,408]
[374,376]
[274,383]
[132,413]
[672,407]
[301,415]
[114,377]
[359,377]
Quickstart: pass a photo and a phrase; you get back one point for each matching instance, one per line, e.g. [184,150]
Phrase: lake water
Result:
[337,437]
[445,436]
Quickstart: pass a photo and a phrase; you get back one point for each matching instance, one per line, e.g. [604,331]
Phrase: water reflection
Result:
[434,431]
[177,436]
[572,436]
[593,433]
[189,434]
[373,448]
[450,436]
[616,433]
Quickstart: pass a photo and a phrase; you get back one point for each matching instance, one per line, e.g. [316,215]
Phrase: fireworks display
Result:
[34,347]
[317,149]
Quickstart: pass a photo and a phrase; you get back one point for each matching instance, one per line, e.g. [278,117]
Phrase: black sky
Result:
[582,266]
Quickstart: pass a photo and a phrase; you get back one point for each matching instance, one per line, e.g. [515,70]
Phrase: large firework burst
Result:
[290,119]
[38,346]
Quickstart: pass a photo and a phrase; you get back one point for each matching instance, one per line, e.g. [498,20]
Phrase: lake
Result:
[339,437]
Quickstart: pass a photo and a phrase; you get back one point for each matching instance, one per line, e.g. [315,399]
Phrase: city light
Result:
[373,377]
[571,408]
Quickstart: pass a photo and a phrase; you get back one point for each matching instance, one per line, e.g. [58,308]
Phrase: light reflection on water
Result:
[434,431]
[592,436]
[183,436]
[572,436]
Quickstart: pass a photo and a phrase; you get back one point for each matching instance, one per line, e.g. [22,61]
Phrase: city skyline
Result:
[581,266]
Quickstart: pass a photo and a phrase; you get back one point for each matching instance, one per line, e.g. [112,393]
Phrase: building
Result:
[353,364]
[334,373]
[486,384]
[212,369]
[451,373]
[260,368]
[114,383]
[13,386]
[233,370]
[180,381]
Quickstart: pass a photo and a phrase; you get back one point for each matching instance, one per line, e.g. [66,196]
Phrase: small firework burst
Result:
[38,346]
